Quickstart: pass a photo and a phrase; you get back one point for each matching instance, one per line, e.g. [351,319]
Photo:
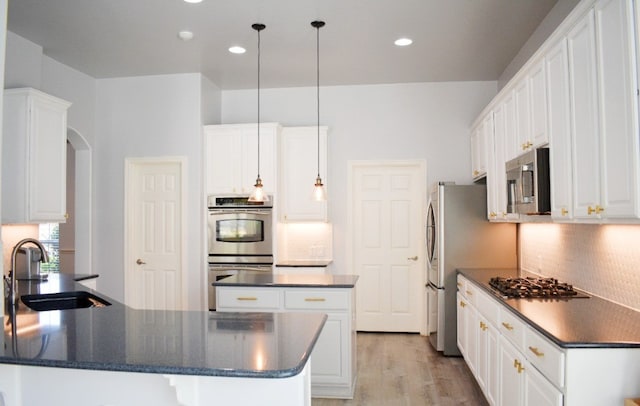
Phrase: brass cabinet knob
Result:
[476,173]
[590,210]
[536,351]
[140,262]
[414,258]
[599,209]
[507,326]
[493,215]
[462,304]
[564,211]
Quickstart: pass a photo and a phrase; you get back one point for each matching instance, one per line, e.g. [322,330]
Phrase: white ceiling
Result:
[454,40]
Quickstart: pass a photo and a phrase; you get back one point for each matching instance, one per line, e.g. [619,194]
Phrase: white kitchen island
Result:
[333,361]
[116,355]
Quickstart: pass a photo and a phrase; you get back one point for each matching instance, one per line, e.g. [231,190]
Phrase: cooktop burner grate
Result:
[531,287]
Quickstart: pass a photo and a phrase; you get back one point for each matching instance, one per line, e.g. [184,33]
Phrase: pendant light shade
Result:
[258,194]
[319,192]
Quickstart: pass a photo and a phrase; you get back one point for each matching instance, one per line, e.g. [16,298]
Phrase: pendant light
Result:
[319,192]
[258,194]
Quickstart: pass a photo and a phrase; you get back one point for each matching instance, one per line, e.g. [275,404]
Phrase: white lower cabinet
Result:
[514,364]
[333,360]
[495,341]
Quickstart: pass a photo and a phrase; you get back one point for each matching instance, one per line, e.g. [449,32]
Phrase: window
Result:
[49,235]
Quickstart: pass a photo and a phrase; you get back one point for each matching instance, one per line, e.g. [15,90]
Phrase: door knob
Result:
[140,262]
[413,258]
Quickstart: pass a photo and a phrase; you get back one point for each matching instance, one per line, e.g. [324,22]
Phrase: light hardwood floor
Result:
[403,369]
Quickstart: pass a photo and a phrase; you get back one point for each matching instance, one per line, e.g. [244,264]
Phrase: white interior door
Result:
[387,206]
[154,263]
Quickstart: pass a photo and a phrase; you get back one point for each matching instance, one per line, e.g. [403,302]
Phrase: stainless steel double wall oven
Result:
[240,238]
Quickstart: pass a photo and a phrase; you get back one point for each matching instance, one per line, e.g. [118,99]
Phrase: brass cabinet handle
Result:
[459,284]
[599,209]
[493,215]
[462,304]
[140,262]
[507,326]
[246,298]
[564,211]
[470,293]
[536,351]
[414,258]
[483,326]
[476,173]
[518,366]
[504,214]
[590,210]
[314,299]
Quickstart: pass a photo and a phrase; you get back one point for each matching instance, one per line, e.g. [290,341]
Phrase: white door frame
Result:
[129,257]
[422,166]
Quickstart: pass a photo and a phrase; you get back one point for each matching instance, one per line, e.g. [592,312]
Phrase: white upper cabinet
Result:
[579,94]
[34,157]
[539,133]
[298,171]
[559,131]
[604,113]
[511,147]
[232,157]
[481,141]
[523,115]
[584,117]
[618,108]
[496,182]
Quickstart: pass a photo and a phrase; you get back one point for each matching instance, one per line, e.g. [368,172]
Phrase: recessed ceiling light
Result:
[185,35]
[237,50]
[193,1]
[403,42]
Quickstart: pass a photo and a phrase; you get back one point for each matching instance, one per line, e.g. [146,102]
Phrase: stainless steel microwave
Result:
[528,185]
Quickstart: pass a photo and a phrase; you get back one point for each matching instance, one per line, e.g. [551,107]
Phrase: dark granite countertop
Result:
[289,281]
[84,276]
[299,263]
[119,338]
[570,323]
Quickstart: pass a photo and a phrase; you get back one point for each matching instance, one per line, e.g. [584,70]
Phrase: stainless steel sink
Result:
[63,301]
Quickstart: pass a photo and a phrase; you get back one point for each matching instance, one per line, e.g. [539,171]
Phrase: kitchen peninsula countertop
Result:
[570,323]
[117,337]
[289,281]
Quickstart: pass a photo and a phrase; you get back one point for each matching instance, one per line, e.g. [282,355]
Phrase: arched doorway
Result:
[75,236]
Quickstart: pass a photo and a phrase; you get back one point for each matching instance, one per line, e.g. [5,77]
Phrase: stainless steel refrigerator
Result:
[460,236]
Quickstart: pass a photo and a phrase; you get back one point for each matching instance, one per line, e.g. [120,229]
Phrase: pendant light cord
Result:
[317,25]
[258,102]
[318,89]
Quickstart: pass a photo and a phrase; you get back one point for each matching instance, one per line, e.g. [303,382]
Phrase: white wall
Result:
[546,27]
[404,121]
[148,116]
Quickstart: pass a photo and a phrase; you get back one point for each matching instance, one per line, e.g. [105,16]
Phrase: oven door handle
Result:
[226,212]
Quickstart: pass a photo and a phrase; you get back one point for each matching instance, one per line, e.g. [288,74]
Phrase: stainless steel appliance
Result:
[531,287]
[239,231]
[459,236]
[239,238]
[528,184]
[220,271]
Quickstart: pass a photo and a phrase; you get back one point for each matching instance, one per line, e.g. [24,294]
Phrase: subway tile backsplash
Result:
[601,259]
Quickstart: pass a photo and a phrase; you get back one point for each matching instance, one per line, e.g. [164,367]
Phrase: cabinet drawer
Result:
[461,283]
[545,356]
[470,292]
[316,299]
[264,299]
[488,307]
[512,328]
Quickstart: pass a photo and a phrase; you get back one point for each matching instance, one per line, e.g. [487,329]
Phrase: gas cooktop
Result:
[530,287]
